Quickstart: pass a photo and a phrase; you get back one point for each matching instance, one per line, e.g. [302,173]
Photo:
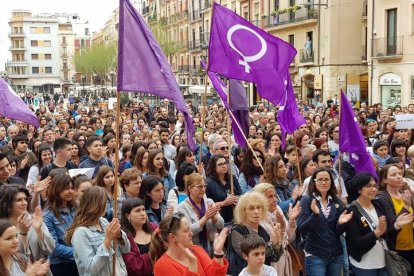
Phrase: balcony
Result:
[388,48]
[205,5]
[64,55]
[64,43]
[195,15]
[152,19]
[182,15]
[17,34]
[306,56]
[184,69]
[302,15]
[18,76]
[22,62]
[182,45]
[17,48]
[196,71]
[65,68]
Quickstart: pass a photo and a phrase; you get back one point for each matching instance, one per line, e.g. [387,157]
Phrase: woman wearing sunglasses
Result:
[173,252]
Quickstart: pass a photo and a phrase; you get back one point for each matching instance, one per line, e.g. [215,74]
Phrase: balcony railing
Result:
[182,45]
[292,17]
[64,55]
[16,34]
[391,46]
[183,68]
[17,48]
[182,15]
[196,71]
[64,43]
[195,15]
[306,55]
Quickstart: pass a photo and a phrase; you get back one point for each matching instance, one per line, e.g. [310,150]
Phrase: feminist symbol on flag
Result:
[246,59]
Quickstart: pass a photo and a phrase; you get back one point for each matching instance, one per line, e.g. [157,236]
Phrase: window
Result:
[34,43]
[35,56]
[48,70]
[391,32]
[33,30]
[48,56]
[46,30]
[35,70]
[86,31]
[47,43]
[292,39]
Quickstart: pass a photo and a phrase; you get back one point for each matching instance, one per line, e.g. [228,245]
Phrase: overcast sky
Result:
[96,11]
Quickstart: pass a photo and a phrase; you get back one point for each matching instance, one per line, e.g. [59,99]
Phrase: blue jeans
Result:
[316,266]
[369,272]
[345,260]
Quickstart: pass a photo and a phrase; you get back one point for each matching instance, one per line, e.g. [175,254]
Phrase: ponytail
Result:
[157,247]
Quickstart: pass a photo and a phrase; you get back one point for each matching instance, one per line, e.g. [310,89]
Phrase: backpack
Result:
[236,262]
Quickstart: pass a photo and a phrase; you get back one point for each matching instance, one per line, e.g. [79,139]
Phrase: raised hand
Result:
[314,207]
[276,234]
[42,185]
[403,219]
[281,220]
[24,222]
[407,198]
[382,226]
[37,219]
[294,212]
[38,268]
[345,217]
[24,162]
[220,239]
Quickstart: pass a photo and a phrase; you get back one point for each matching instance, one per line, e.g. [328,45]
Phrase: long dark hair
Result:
[58,184]
[212,168]
[148,184]
[42,148]
[249,169]
[127,206]
[7,196]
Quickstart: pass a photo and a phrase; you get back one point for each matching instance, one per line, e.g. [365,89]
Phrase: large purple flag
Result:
[351,140]
[240,50]
[12,106]
[288,115]
[238,105]
[143,67]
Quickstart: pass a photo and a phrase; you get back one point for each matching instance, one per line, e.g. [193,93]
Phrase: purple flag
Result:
[12,106]
[353,144]
[143,67]
[240,50]
[238,105]
[288,115]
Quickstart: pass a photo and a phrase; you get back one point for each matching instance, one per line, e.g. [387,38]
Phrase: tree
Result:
[98,60]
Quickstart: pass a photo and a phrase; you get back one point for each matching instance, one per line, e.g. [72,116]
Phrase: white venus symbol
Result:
[246,59]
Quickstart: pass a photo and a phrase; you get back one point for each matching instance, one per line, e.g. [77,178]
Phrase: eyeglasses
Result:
[201,186]
[322,180]
[222,164]
[370,186]
[260,133]
[224,148]
[176,217]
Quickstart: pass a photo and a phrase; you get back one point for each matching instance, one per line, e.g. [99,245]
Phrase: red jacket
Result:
[137,263]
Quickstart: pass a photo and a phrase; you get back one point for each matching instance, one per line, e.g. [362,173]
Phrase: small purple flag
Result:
[239,50]
[351,140]
[12,106]
[288,115]
[143,67]
[238,105]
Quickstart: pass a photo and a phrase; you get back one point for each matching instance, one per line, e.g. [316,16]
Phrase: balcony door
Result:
[391,32]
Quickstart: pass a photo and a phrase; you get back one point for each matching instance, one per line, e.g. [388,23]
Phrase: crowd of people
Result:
[221,209]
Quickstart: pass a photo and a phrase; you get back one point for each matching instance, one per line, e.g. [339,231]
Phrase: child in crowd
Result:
[253,249]
[381,153]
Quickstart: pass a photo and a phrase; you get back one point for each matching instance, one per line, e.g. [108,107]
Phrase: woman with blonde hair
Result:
[91,237]
[288,229]
[251,209]
[202,212]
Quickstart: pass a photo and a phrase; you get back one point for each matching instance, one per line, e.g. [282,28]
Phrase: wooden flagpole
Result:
[229,141]
[115,196]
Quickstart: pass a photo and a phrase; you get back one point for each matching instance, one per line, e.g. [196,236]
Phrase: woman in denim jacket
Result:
[152,192]
[58,216]
[91,237]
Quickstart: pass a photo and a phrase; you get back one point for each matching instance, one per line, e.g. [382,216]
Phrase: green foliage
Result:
[294,8]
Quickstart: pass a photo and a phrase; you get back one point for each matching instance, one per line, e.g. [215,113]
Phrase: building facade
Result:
[391,51]
[42,47]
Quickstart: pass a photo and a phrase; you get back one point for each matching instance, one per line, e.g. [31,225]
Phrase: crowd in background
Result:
[217,210]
